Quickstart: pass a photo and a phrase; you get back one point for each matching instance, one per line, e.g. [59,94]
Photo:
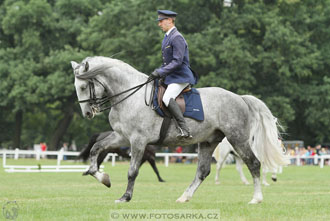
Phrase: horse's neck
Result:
[121,80]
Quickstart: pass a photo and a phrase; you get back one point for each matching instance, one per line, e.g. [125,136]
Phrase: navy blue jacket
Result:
[176,67]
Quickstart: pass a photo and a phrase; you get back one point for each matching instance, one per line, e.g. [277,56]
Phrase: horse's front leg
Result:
[113,140]
[137,151]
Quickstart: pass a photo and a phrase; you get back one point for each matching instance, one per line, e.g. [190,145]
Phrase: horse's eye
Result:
[83,87]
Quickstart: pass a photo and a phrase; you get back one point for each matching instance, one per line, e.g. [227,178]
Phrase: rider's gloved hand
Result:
[154,75]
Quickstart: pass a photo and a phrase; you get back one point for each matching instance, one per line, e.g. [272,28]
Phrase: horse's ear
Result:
[74,64]
[86,66]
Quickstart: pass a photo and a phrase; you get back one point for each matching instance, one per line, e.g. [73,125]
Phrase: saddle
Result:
[179,99]
[188,100]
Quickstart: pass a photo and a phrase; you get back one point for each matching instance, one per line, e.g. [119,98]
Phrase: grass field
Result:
[301,193]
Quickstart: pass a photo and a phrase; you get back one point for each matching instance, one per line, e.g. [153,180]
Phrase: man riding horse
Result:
[175,68]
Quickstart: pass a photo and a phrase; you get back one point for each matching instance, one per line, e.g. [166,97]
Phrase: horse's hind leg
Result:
[244,151]
[205,151]
[274,176]
[154,167]
[264,176]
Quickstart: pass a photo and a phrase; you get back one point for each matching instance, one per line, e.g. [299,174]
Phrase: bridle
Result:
[97,103]
[94,101]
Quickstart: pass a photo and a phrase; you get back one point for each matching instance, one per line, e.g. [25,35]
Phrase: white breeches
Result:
[172,91]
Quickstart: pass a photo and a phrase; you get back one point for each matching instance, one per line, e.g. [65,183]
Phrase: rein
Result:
[97,102]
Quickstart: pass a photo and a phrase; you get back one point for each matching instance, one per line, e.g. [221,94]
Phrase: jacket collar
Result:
[169,36]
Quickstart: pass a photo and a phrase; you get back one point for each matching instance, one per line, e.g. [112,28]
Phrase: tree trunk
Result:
[18,129]
[61,127]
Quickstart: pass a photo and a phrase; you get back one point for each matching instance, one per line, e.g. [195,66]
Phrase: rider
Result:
[175,68]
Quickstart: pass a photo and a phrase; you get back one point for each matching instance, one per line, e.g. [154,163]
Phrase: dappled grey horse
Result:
[244,120]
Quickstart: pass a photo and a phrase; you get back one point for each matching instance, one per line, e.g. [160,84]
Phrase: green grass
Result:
[301,193]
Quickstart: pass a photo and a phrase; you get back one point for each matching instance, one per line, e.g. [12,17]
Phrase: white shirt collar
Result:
[169,31]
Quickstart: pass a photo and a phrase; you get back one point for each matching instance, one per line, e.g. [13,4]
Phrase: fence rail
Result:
[297,160]
[45,168]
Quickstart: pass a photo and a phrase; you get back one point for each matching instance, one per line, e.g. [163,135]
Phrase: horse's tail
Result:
[264,135]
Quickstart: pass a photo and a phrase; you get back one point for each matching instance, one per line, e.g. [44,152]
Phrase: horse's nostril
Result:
[89,114]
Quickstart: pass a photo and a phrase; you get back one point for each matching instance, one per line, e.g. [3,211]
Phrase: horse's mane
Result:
[102,64]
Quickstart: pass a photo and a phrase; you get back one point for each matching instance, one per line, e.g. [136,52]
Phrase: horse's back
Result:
[225,108]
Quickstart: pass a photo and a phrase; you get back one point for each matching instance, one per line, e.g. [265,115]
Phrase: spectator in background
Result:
[43,148]
[310,154]
[324,152]
[64,148]
[166,150]
[73,146]
[318,149]
[178,150]
[302,153]
[293,154]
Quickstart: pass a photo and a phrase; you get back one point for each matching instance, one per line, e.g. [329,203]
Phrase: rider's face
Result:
[165,24]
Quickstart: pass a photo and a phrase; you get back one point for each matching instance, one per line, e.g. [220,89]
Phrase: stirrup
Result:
[183,135]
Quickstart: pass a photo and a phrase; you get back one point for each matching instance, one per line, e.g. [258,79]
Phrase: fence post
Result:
[59,158]
[316,159]
[4,157]
[16,154]
[166,160]
[113,160]
[298,160]
[321,162]
[37,155]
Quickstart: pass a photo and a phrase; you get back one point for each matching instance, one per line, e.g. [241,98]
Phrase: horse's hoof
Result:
[255,201]
[121,201]
[182,200]
[246,183]
[161,180]
[217,182]
[266,184]
[106,180]
[274,179]
[86,173]
[124,199]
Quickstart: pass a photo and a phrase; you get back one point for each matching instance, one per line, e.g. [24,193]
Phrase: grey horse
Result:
[244,120]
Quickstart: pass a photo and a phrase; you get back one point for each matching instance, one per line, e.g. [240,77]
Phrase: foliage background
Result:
[277,50]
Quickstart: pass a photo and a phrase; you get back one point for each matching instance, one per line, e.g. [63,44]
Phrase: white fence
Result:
[81,168]
[45,168]
[316,159]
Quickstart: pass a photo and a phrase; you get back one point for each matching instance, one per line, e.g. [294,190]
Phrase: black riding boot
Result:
[175,110]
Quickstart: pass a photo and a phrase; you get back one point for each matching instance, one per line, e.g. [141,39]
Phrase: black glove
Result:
[154,75]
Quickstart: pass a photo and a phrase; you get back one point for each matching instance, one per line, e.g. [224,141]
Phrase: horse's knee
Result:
[132,175]
[204,171]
